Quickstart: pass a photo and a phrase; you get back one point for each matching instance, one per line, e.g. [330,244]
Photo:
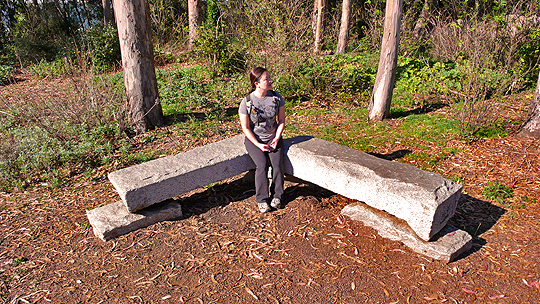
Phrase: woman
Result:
[262,116]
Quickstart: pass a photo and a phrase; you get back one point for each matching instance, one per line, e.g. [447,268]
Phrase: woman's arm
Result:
[244,122]
[280,127]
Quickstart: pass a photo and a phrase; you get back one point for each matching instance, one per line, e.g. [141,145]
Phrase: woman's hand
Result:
[273,144]
[244,122]
[265,148]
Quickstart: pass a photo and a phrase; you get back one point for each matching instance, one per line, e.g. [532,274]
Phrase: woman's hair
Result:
[255,76]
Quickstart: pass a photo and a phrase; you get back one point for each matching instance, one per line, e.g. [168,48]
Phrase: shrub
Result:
[45,139]
[485,69]
[103,48]
[337,74]
[5,74]
[46,69]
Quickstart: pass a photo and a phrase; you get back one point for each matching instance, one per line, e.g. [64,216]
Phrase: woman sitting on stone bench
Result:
[262,116]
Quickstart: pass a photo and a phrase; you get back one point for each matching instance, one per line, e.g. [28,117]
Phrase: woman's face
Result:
[265,82]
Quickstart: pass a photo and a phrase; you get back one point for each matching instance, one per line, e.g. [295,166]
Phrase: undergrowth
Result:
[84,130]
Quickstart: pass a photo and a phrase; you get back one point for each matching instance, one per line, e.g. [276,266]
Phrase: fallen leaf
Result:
[496,297]
[468,291]
[251,293]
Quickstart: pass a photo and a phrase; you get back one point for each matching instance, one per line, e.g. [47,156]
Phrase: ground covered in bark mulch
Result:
[224,251]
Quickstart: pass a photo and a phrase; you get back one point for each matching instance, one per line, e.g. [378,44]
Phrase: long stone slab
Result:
[449,243]
[425,200]
[152,182]
[113,220]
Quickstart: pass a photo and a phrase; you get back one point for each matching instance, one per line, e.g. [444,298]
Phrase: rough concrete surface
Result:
[425,200]
[152,182]
[447,245]
[113,220]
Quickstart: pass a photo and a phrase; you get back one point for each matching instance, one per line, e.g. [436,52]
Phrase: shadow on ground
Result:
[475,217]
[420,110]
[200,116]
[392,156]
[243,188]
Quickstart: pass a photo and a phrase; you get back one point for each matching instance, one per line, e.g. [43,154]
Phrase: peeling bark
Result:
[135,34]
[344,27]
[531,125]
[379,104]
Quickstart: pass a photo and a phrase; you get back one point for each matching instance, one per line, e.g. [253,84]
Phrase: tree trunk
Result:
[318,26]
[344,28]
[107,13]
[195,21]
[420,28]
[531,125]
[381,98]
[135,34]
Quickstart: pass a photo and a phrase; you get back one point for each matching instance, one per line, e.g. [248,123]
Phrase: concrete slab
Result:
[425,200]
[152,182]
[447,245]
[113,220]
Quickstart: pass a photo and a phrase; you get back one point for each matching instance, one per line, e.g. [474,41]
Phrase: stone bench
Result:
[424,200]
[160,179]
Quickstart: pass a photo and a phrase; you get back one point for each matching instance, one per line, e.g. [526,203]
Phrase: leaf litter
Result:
[304,253]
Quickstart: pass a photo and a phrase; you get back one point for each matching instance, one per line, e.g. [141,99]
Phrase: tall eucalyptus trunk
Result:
[135,34]
[344,27]
[531,125]
[381,98]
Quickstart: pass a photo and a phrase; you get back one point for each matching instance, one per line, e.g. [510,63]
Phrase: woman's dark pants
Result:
[260,159]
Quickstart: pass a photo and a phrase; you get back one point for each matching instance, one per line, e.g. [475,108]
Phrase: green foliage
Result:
[181,91]
[491,132]
[43,140]
[529,53]
[6,72]
[46,69]
[328,76]
[419,82]
[497,192]
[103,48]
[169,19]
[43,35]
[217,50]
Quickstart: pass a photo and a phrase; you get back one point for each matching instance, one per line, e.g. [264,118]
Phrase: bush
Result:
[5,74]
[46,140]
[45,69]
[103,48]
[335,75]
[486,69]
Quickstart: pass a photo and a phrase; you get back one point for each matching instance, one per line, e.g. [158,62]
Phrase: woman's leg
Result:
[276,160]
[261,178]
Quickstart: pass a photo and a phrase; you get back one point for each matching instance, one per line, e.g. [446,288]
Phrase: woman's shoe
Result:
[263,207]
[275,203]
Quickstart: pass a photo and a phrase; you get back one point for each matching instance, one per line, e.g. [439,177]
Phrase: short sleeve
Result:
[242,109]
[281,100]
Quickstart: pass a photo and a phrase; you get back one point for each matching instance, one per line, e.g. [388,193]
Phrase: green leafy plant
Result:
[49,69]
[103,48]
[497,192]
[18,261]
[6,72]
